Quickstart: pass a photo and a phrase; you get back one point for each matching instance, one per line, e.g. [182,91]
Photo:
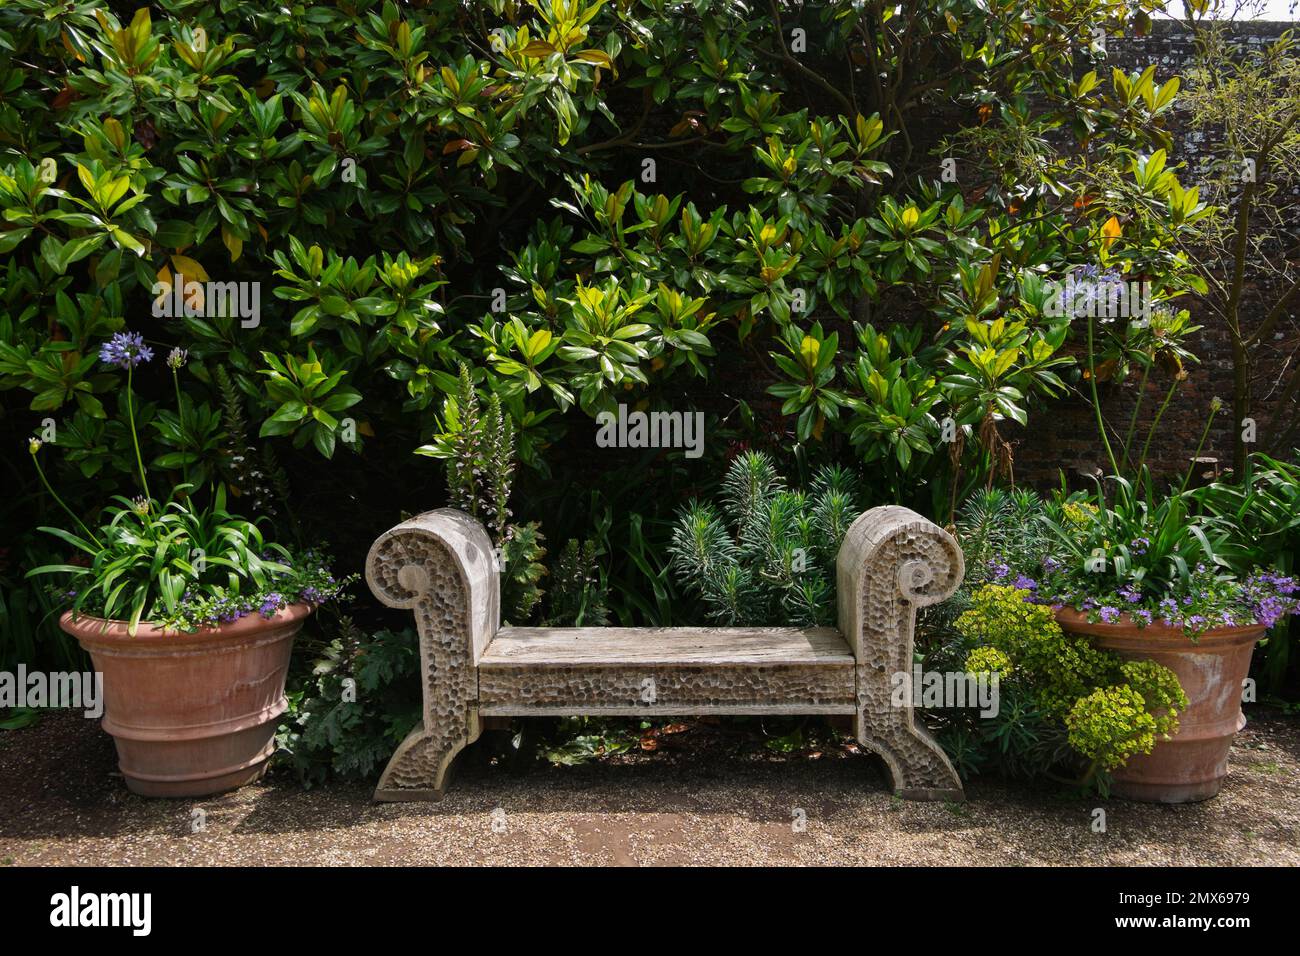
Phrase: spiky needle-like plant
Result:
[768,555]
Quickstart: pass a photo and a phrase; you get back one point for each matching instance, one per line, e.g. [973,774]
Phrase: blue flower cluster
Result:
[125,350]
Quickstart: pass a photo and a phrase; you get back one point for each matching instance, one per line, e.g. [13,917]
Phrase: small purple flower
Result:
[1050,564]
[1109,614]
[1143,615]
[272,603]
[1130,594]
[1139,545]
[1023,583]
[311,595]
[998,569]
[125,350]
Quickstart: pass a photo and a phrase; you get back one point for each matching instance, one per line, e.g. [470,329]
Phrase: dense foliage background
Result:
[831,227]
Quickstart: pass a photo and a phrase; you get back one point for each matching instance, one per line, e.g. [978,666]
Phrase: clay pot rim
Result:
[1153,633]
[88,627]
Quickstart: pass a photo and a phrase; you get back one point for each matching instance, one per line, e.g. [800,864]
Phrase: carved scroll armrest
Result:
[892,561]
[442,559]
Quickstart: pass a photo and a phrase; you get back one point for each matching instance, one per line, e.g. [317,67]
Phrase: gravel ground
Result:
[695,801]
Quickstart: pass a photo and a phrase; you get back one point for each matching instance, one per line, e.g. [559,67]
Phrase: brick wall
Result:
[1065,436]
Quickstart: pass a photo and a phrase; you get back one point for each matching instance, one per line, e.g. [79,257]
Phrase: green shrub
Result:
[1060,668]
[1057,689]
[359,701]
[1110,725]
[340,155]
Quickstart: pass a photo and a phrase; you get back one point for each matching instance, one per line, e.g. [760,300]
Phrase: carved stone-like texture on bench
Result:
[667,690]
[431,564]
[893,561]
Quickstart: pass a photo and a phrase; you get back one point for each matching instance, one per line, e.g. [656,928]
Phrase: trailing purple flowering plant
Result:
[1136,559]
[306,579]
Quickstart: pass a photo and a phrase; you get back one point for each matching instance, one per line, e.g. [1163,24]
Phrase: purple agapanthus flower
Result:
[125,350]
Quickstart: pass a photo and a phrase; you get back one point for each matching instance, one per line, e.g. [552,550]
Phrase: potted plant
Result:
[1143,577]
[189,615]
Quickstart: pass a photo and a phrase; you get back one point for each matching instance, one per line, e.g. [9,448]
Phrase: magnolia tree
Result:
[330,209]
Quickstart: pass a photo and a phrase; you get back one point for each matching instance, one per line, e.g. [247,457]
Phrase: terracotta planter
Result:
[1193,764]
[192,714]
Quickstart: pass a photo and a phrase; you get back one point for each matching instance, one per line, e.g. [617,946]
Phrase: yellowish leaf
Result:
[808,350]
[1110,231]
[232,242]
[189,268]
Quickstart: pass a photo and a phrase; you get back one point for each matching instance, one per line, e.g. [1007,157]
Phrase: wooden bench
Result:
[441,565]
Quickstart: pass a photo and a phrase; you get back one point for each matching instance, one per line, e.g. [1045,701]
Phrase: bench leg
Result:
[418,770]
[918,765]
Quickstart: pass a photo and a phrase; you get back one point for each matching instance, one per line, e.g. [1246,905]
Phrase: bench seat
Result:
[626,671]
